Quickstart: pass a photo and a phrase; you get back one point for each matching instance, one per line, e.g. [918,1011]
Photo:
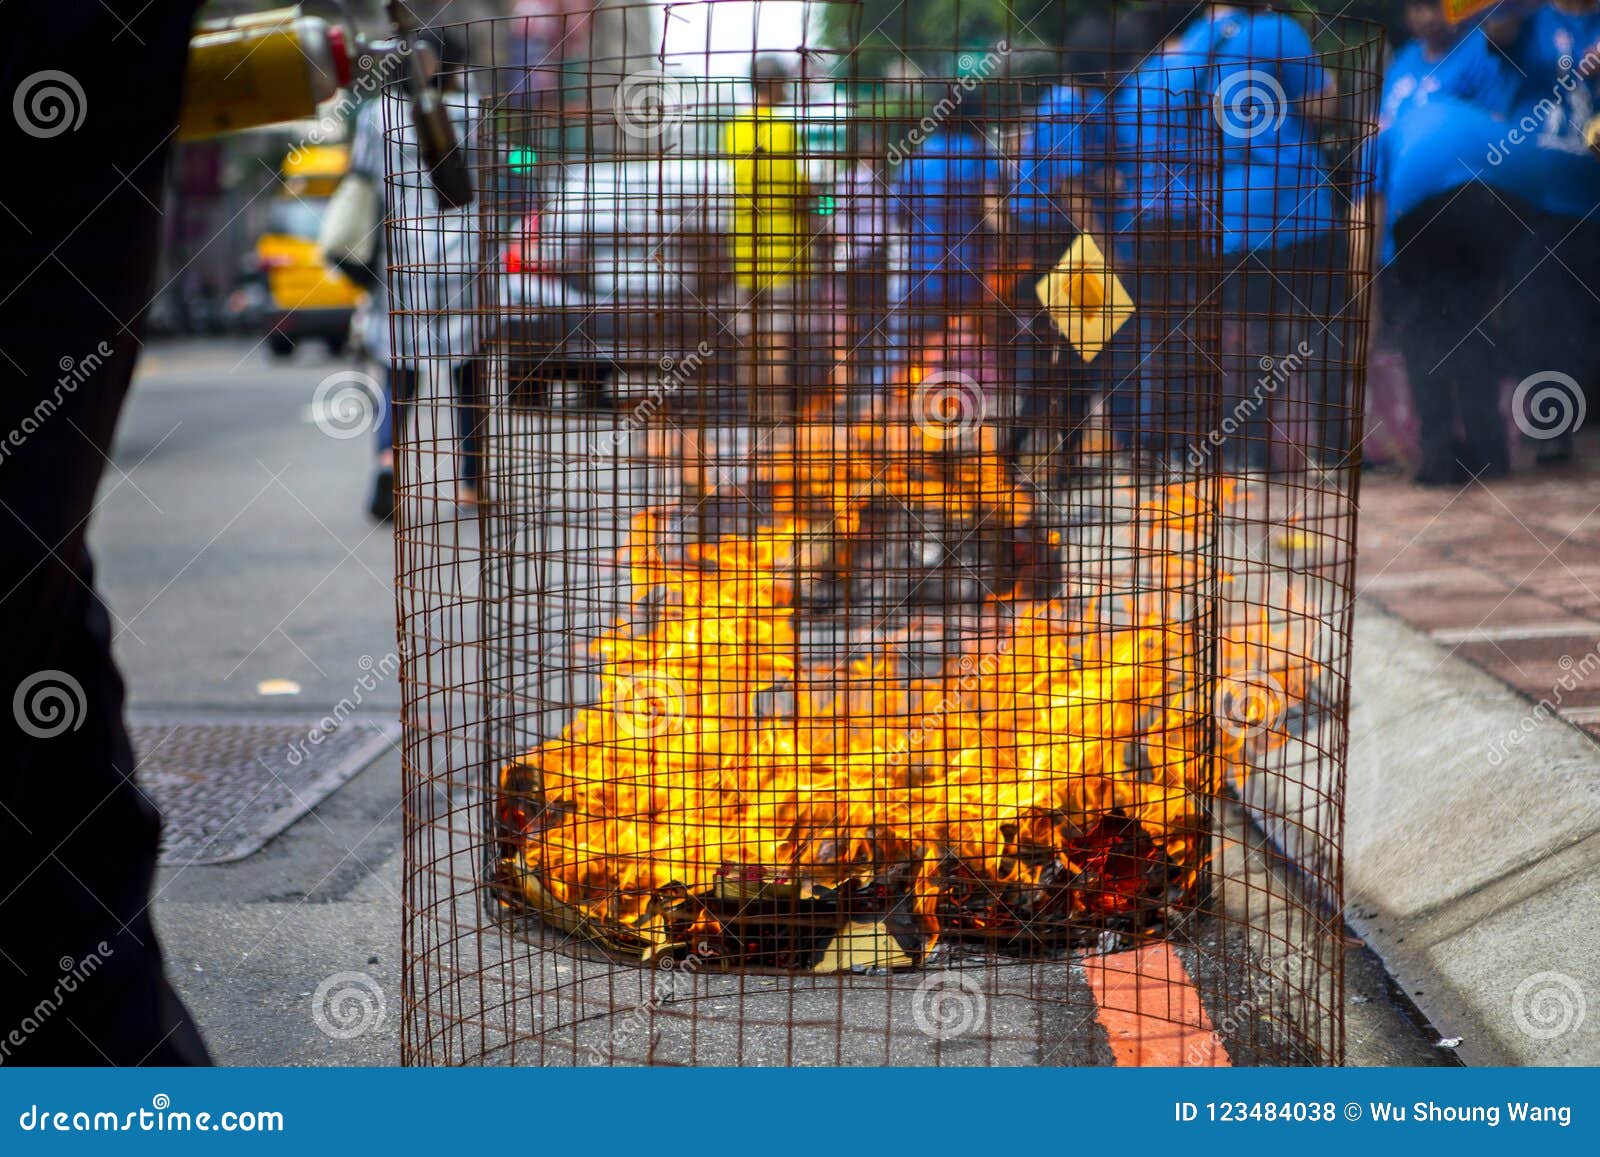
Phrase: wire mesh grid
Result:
[876,528]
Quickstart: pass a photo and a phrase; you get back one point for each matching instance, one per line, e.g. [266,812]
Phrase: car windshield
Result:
[298,217]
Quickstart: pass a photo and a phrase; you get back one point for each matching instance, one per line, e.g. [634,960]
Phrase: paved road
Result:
[234,549]
[232,537]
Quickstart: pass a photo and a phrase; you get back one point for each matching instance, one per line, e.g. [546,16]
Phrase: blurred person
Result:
[1281,230]
[540,37]
[1454,221]
[81,972]
[1552,91]
[772,239]
[1163,116]
[942,189]
[1062,179]
[860,228]
[1440,59]
[1453,62]
[429,323]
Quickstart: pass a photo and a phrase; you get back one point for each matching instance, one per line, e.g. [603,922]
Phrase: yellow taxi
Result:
[307,299]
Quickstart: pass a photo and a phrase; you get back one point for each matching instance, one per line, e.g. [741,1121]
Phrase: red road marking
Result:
[1151,1010]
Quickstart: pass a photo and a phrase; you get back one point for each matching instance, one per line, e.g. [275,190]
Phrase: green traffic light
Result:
[521,160]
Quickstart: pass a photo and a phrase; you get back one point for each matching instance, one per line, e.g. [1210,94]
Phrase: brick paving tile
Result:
[1506,575]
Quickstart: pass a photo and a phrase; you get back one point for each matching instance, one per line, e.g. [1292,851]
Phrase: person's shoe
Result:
[382,505]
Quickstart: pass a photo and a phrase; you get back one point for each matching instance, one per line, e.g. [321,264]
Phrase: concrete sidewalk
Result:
[1473,838]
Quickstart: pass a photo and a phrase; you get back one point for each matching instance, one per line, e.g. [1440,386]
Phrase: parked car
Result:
[624,268]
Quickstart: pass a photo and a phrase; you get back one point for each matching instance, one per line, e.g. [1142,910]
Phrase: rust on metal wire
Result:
[875,535]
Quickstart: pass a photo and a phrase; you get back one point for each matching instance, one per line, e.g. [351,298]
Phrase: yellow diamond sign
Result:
[1084,298]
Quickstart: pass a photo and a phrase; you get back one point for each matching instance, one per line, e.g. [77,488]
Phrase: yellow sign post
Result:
[1085,299]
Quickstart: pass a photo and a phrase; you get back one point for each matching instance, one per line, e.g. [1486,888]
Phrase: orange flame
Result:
[719,745]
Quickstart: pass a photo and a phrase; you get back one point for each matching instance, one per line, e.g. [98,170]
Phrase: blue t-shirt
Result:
[1068,140]
[1433,147]
[1158,145]
[1470,75]
[1470,70]
[937,194]
[1550,94]
[1274,184]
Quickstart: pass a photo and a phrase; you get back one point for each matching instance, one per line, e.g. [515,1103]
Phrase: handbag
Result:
[349,235]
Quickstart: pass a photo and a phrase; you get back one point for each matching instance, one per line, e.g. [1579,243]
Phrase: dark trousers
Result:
[471,416]
[1054,384]
[1551,318]
[1288,344]
[81,978]
[1450,268]
[1163,400]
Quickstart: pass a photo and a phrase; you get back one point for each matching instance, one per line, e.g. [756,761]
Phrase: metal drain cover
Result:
[227,787]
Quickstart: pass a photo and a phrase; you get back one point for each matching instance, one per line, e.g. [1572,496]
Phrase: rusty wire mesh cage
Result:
[876,521]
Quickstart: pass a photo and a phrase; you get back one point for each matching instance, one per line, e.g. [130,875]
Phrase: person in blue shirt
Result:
[1440,59]
[1552,91]
[1433,178]
[1281,230]
[1453,217]
[939,197]
[1061,173]
[1163,121]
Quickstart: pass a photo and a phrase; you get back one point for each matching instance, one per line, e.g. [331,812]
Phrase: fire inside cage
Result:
[875,536]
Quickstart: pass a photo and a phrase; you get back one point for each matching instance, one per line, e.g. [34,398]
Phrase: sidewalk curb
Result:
[1472,850]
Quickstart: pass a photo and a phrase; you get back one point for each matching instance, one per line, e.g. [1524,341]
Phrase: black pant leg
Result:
[1452,258]
[80,969]
[472,419]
